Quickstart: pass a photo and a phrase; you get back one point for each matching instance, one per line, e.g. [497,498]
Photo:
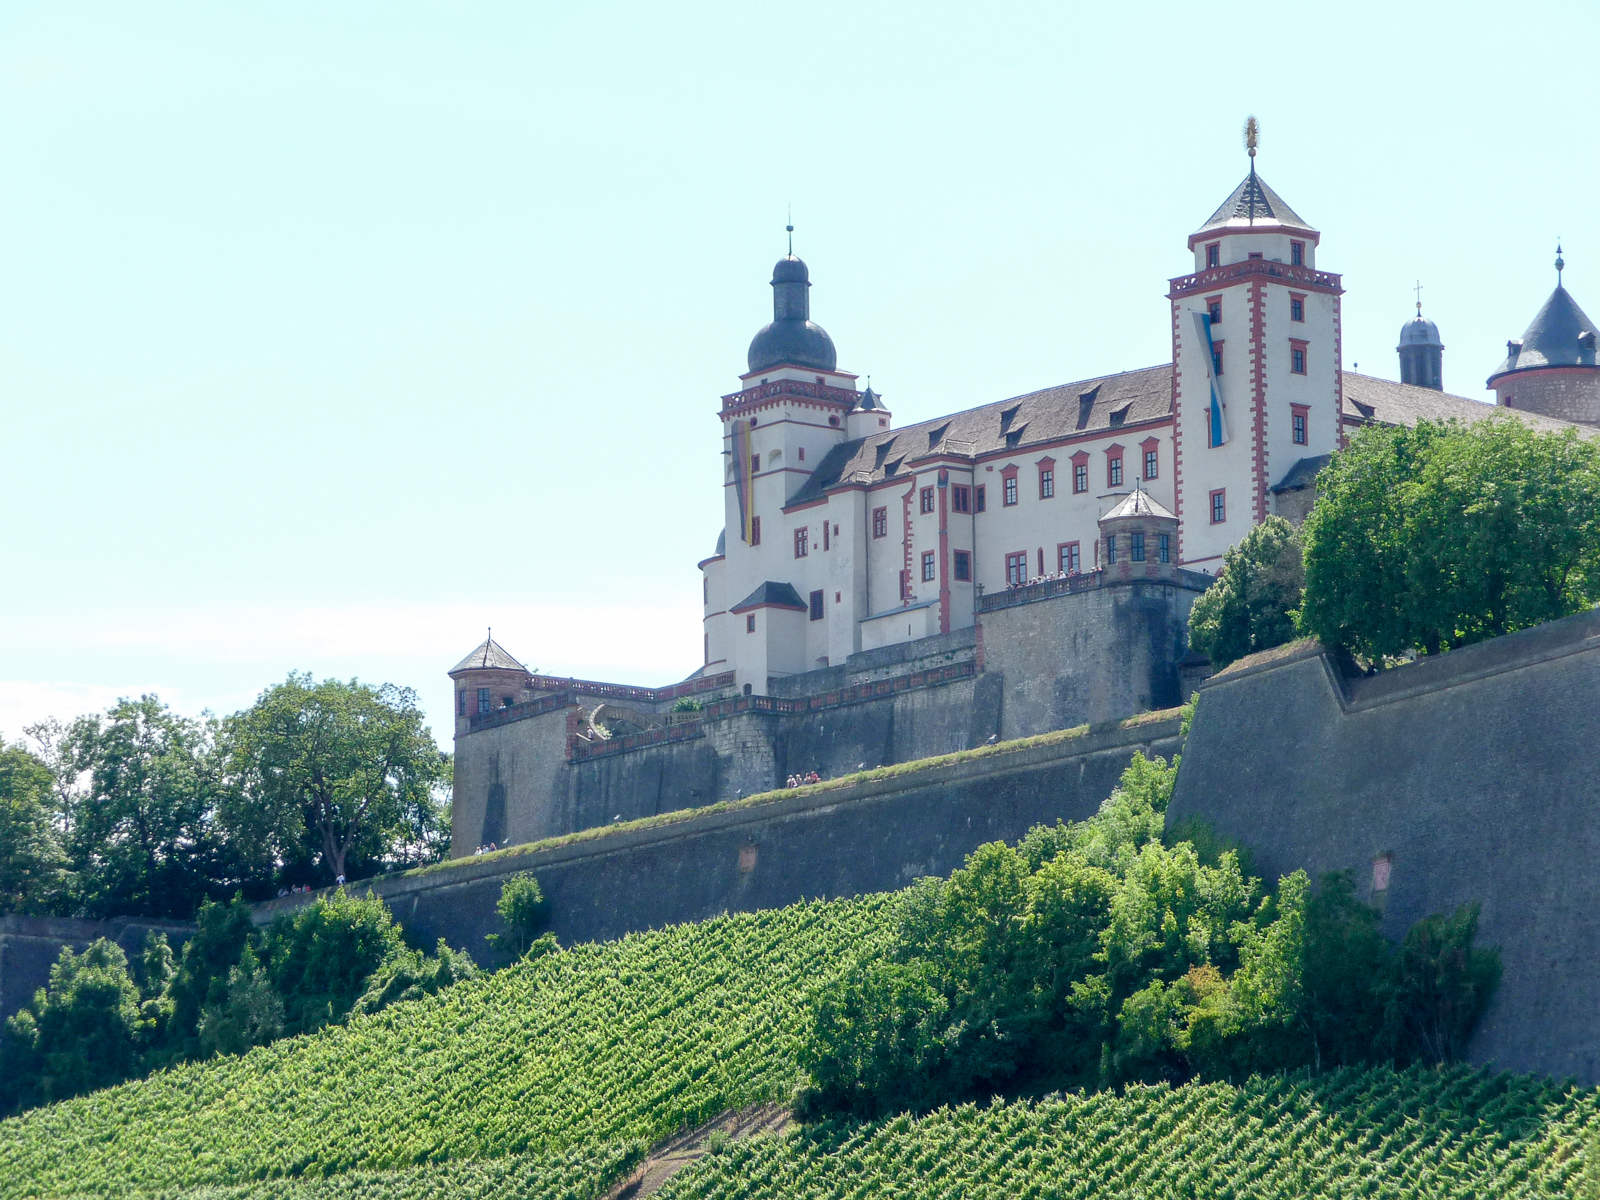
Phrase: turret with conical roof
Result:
[487,679]
[1552,369]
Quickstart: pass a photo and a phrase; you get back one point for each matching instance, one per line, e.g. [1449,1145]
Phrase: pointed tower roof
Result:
[1138,503]
[489,655]
[1560,336]
[1253,205]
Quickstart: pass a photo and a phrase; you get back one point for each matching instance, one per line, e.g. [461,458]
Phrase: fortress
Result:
[881,594]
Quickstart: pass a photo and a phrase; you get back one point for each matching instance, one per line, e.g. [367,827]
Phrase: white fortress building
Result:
[1040,552]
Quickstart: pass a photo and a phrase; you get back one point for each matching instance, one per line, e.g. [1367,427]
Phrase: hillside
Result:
[603,1044]
[551,1080]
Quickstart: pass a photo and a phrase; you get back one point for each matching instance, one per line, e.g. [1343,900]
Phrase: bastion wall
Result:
[1474,776]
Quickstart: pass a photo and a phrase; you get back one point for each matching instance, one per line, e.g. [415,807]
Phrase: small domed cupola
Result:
[793,339]
[1421,353]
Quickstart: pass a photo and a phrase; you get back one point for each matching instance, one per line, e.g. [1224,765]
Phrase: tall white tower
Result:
[1256,365]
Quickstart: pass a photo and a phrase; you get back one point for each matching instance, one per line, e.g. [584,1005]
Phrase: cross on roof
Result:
[1418,291]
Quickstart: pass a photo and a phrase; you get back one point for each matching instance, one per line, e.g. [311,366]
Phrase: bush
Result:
[687,704]
[320,958]
[411,975]
[1251,605]
[1092,955]
[524,914]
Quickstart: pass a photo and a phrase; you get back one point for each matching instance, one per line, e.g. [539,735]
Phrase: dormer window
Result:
[1214,254]
[1297,253]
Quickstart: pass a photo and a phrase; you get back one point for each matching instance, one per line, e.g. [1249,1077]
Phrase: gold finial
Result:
[1252,135]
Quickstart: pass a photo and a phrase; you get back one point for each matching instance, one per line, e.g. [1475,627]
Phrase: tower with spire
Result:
[1256,363]
[1551,369]
[1421,352]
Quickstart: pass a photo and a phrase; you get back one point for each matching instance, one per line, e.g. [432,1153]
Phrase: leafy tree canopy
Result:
[1251,605]
[1435,537]
[33,867]
[335,772]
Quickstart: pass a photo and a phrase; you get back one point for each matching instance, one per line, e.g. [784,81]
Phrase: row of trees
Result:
[141,811]
[1421,540]
[1097,953]
[104,1018]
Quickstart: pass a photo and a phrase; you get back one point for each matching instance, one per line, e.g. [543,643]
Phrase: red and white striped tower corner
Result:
[1256,382]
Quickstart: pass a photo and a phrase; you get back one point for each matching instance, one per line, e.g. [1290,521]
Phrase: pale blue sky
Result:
[332,333]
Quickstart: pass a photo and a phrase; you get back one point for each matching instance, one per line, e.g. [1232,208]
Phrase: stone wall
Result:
[1566,393]
[1472,776]
[30,945]
[1096,655]
[854,838]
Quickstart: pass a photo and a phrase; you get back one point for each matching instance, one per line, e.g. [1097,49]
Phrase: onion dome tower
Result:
[792,339]
[1552,370]
[1421,352]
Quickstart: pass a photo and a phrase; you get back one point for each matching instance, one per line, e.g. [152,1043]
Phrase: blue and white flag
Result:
[1216,410]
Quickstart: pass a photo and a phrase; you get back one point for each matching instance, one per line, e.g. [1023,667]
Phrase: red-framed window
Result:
[1017,568]
[1298,416]
[1297,307]
[1047,478]
[755,531]
[1152,458]
[928,570]
[1068,560]
[802,542]
[925,500]
[816,606]
[1297,356]
[961,498]
[880,522]
[755,465]
[1214,254]
[1216,358]
[1114,466]
[905,585]
[962,565]
[750,623]
[1297,254]
[1080,472]
[1214,310]
[1219,506]
[980,498]
[1008,487]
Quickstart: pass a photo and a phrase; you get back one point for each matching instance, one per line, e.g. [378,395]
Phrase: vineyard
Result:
[613,1043]
[1456,1134]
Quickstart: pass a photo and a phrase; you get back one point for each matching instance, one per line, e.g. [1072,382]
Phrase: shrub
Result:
[524,914]
[320,958]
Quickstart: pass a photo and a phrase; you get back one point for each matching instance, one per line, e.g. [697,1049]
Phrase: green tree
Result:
[1445,982]
[81,1033]
[339,772]
[202,975]
[411,975]
[1434,537]
[524,914]
[33,867]
[1251,605]
[321,958]
[250,1012]
[143,784]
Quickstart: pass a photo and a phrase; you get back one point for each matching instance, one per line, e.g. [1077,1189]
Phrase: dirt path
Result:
[672,1155]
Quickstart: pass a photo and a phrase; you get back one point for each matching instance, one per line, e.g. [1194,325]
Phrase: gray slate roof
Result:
[1552,339]
[1253,201]
[1139,503]
[489,654]
[781,594]
[1087,406]
[1303,474]
[1390,403]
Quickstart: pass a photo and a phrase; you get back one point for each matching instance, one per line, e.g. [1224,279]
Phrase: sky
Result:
[331,335]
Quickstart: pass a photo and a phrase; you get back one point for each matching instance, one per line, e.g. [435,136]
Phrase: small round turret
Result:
[1421,353]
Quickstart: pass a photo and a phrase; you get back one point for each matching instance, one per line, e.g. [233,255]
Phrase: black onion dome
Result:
[792,339]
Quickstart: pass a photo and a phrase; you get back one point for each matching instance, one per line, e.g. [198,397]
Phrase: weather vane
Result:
[1560,262]
[790,228]
[1252,135]
[1418,291]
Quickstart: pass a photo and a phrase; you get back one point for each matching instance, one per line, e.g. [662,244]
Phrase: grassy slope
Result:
[547,1081]
[602,1044]
[1457,1134]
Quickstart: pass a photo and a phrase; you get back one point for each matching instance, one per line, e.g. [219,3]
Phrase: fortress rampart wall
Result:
[1472,776]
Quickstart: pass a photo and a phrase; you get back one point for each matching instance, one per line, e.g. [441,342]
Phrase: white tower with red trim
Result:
[1256,373]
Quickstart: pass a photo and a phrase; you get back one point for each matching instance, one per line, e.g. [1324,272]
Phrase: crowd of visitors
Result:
[795,781]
